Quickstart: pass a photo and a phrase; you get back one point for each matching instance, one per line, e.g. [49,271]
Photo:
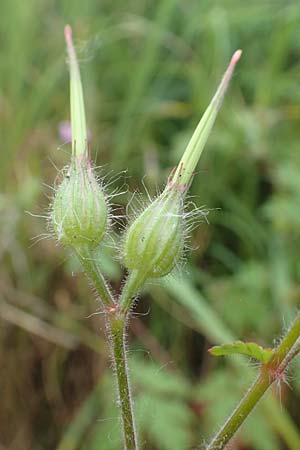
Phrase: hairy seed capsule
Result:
[154,241]
[79,214]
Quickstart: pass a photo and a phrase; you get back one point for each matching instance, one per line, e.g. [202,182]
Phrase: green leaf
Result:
[243,348]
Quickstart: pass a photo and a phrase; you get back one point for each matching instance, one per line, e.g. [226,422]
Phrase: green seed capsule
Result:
[79,213]
[154,241]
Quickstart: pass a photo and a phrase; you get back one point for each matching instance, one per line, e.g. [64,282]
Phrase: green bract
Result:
[154,241]
[79,213]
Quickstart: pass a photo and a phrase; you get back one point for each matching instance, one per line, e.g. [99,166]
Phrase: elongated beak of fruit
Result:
[181,177]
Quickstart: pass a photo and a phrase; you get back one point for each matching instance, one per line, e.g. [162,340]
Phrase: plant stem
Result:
[294,352]
[133,284]
[117,329]
[95,275]
[269,373]
[116,319]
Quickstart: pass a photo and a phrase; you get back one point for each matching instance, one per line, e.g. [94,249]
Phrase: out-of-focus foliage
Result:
[149,70]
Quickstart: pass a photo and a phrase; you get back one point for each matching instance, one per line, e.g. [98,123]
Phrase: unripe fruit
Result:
[154,241]
[79,214]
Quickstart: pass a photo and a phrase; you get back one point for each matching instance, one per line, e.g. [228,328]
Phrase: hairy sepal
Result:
[154,242]
[79,214]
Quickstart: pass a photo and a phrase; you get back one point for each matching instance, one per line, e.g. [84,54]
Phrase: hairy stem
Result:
[116,325]
[95,275]
[270,372]
[117,328]
[134,282]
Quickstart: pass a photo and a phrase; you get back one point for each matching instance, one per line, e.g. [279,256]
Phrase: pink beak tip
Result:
[68,34]
[235,57]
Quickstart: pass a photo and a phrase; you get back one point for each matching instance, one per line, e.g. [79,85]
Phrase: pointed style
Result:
[183,175]
[78,120]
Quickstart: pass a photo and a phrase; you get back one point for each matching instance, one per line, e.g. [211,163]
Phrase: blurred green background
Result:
[149,69]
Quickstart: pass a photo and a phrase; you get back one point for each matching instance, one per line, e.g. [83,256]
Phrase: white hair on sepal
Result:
[40,237]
